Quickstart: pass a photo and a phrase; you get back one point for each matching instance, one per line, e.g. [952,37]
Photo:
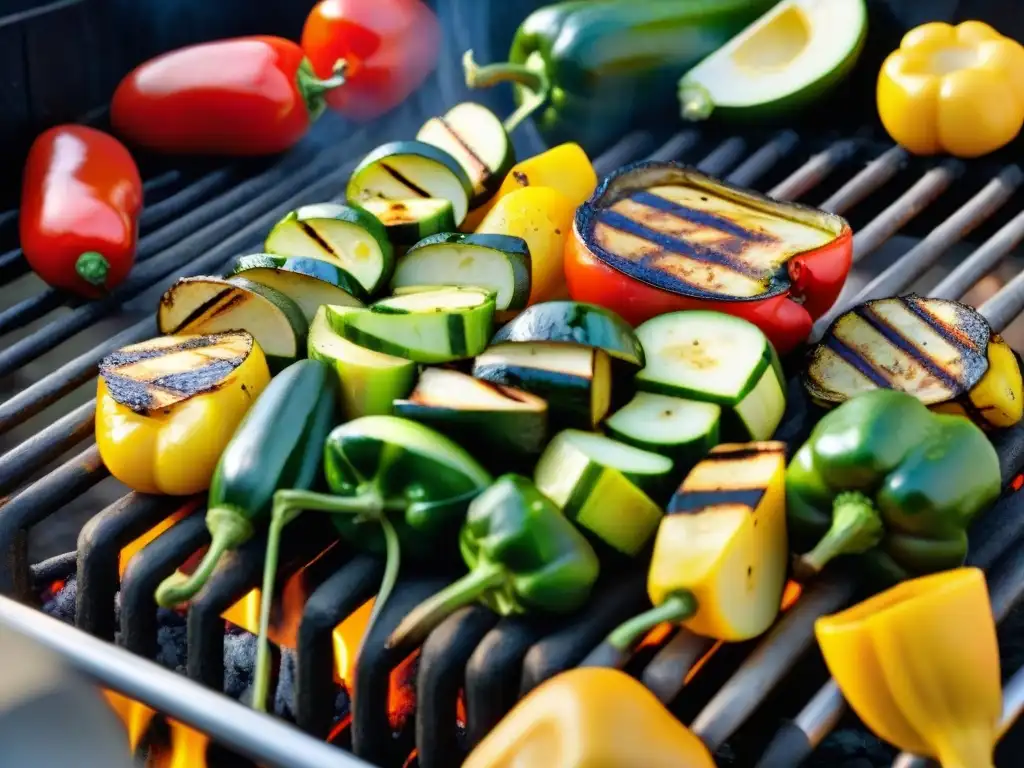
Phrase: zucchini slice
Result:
[934,349]
[403,170]
[156,374]
[435,326]
[344,235]
[593,479]
[310,283]
[499,263]
[683,430]
[573,322]
[475,137]
[576,381]
[206,305]
[716,358]
[370,381]
[409,221]
[492,419]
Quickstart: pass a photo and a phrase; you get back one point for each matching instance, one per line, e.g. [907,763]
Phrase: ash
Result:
[172,652]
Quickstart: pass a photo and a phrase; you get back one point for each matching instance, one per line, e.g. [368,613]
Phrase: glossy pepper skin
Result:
[919,664]
[389,48]
[884,477]
[523,555]
[80,202]
[242,96]
[953,89]
[588,71]
[175,450]
[637,288]
[590,717]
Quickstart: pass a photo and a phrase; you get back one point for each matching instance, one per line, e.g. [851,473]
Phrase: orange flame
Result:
[136,717]
[131,549]
[187,748]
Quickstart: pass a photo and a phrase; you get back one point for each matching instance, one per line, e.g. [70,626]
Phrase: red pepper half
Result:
[80,202]
[661,237]
[388,46]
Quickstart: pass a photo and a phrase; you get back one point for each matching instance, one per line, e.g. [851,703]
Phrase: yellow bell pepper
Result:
[166,408]
[997,399]
[591,717]
[565,168]
[919,664]
[953,89]
[542,216]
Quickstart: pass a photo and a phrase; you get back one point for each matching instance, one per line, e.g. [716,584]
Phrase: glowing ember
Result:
[656,635]
[1017,483]
[791,594]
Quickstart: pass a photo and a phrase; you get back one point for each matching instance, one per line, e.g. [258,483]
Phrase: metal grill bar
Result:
[723,157]
[675,147]
[45,446]
[814,171]
[875,174]
[629,146]
[759,163]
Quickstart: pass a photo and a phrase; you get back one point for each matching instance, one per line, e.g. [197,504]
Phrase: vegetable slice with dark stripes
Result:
[475,137]
[499,263]
[403,170]
[409,221]
[167,370]
[310,283]
[214,305]
[345,235]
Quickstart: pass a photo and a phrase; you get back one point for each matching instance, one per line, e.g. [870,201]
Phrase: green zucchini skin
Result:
[280,442]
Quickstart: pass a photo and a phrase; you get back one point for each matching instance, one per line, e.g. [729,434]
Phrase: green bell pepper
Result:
[523,555]
[884,477]
[588,71]
[396,486]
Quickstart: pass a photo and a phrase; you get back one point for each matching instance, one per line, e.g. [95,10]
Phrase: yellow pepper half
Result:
[997,399]
[166,408]
[591,717]
[919,664]
[953,89]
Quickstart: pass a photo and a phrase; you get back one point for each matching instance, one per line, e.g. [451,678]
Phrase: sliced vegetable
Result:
[215,305]
[165,408]
[499,263]
[310,283]
[716,358]
[403,170]
[683,430]
[409,221]
[344,235]
[572,322]
[370,381]
[575,381]
[792,55]
[279,444]
[475,137]
[660,237]
[594,480]
[492,419]
[720,557]
[435,326]
[940,351]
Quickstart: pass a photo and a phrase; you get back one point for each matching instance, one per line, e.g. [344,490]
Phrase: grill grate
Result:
[197,226]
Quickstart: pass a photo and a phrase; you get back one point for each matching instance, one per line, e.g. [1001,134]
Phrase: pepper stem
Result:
[695,102]
[426,616]
[676,608]
[93,268]
[392,562]
[229,529]
[856,528]
[531,77]
[315,89]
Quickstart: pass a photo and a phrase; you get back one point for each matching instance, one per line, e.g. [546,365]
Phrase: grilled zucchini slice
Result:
[684,430]
[409,221]
[310,283]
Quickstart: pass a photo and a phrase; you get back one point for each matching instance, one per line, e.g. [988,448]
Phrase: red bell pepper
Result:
[388,46]
[81,198]
[661,237]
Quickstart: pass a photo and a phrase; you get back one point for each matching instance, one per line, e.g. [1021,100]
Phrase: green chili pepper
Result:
[396,486]
[587,71]
[884,477]
[523,555]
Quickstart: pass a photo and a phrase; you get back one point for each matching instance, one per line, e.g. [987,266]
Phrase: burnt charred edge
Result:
[740,452]
[336,598]
[694,501]
[99,549]
[972,331]
[698,217]
[371,724]
[494,670]
[155,562]
[440,677]
[405,181]
[615,599]
[136,353]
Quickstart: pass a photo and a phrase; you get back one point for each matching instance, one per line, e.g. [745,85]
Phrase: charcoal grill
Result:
[767,702]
